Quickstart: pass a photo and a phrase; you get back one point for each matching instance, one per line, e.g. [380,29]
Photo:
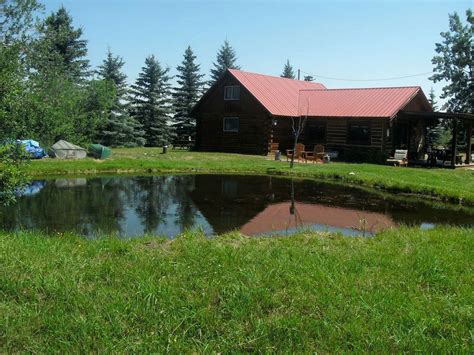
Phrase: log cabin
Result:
[249,113]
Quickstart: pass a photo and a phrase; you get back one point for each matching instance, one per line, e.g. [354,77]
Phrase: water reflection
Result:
[167,205]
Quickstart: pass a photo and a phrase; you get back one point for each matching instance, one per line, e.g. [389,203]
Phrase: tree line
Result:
[48,90]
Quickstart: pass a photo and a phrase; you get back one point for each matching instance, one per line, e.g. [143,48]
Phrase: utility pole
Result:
[298,74]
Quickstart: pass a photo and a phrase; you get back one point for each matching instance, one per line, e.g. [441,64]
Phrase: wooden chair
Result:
[400,158]
[316,155]
[274,148]
[298,152]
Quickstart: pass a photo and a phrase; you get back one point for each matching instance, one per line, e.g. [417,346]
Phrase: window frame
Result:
[230,130]
[352,141]
[232,88]
[316,126]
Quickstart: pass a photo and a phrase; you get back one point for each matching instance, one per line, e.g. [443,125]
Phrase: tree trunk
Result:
[294,151]
[469,143]
[454,143]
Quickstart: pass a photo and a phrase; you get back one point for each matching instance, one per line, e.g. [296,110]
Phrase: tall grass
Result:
[404,290]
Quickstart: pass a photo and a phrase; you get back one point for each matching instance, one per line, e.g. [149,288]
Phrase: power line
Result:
[383,79]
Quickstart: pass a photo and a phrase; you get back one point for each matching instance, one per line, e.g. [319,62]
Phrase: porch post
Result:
[453,148]
[468,142]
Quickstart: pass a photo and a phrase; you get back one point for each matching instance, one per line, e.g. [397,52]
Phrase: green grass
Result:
[448,185]
[405,290]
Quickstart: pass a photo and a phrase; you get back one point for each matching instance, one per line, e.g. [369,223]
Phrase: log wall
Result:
[254,122]
[336,133]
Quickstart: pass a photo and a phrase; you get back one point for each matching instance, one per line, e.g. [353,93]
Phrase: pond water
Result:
[255,205]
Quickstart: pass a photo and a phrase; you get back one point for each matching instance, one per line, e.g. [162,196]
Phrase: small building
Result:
[248,113]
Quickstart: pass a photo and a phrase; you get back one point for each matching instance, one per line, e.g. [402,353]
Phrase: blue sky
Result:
[341,39]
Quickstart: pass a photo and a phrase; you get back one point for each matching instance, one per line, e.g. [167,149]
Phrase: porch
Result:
[411,130]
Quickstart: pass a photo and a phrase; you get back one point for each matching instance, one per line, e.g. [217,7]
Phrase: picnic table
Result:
[183,144]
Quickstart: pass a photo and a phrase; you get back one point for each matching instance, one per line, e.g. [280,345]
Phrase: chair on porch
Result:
[298,152]
[400,158]
[316,155]
[274,147]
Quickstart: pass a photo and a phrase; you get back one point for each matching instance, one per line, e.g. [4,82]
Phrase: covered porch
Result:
[410,131]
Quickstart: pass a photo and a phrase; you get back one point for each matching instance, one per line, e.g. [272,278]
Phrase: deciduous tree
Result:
[454,64]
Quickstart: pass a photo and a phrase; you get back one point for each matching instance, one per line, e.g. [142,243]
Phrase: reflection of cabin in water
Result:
[246,113]
[254,205]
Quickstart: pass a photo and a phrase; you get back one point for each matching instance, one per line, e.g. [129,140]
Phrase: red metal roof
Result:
[369,102]
[281,97]
[278,95]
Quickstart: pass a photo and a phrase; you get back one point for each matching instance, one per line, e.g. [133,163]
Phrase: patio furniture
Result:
[316,155]
[400,158]
[274,147]
[183,144]
[299,151]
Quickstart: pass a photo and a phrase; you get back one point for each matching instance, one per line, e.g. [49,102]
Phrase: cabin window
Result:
[358,134]
[316,132]
[232,92]
[231,124]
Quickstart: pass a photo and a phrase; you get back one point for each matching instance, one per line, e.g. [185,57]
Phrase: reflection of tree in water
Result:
[62,208]
[160,197]
[152,200]
[186,215]
[293,210]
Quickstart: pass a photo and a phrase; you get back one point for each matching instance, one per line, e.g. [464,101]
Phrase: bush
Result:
[13,159]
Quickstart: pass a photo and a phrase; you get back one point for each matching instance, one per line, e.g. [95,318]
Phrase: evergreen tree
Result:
[186,95]
[308,78]
[455,64]
[226,59]
[151,102]
[61,46]
[120,129]
[432,99]
[288,71]
[435,128]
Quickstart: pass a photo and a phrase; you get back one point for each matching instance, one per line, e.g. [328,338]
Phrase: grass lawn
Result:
[401,291]
[448,185]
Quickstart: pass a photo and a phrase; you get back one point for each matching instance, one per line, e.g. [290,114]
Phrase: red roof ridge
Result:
[370,88]
[272,76]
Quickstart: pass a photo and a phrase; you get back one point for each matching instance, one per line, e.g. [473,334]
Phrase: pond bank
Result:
[454,186]
[405,290]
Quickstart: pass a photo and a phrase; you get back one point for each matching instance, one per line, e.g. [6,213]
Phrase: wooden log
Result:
[454,143]
[469,143]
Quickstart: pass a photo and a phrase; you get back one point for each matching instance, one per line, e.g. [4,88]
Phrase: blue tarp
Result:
[32,188]
[33,148]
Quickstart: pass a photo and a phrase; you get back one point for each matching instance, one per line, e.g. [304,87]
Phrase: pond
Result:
[166,205]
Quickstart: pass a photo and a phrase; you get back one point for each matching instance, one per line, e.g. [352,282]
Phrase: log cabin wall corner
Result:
[230,119]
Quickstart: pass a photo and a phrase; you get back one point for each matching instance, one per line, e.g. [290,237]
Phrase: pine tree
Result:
[288,71]
[150,104]
[435,127]
[308,78]
[120,129]
[62,46]
[186,95]
[226,59]
[432,99]
[455,64]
